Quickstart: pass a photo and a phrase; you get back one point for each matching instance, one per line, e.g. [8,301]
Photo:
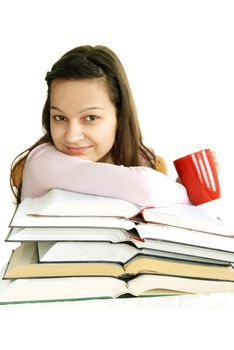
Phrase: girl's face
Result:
[83,120]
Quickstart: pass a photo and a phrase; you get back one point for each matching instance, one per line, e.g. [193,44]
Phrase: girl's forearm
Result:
[48,168]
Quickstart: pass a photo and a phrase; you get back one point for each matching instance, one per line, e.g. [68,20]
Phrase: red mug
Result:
[198,173]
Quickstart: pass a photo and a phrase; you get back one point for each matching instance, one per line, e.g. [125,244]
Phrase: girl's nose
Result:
[74,133]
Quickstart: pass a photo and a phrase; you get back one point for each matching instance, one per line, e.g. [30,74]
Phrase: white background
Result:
[179,57]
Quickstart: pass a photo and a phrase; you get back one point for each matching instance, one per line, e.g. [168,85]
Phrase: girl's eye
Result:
[59,117]
[91,117]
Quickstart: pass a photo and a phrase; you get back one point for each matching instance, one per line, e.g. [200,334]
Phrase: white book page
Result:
[190,237]
[29,234]
[58,202]
[106,251]
[188,216]
[21,219]
[83,251]
[185,211]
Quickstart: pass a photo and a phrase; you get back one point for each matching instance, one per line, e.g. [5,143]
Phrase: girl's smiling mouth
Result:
[78,150]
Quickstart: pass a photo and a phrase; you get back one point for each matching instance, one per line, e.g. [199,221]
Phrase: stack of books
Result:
[78,246]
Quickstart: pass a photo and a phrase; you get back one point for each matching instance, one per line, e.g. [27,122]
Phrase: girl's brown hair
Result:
[98,62]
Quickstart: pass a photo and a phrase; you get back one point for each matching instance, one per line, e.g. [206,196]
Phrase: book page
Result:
[85,251]
[59,289]
[68,234]
[58,202]
[187,216]
[186,236]
[21,219]
[144,285]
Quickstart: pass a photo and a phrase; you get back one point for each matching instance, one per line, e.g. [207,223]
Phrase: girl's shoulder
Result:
[40,149]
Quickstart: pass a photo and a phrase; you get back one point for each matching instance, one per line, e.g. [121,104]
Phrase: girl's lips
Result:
[78,150]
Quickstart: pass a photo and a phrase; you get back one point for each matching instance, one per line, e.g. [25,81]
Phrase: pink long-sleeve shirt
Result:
[48,168]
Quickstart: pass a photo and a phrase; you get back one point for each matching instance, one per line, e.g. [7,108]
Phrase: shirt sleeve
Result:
[48,168]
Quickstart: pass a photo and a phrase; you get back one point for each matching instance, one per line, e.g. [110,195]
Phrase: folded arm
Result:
[48,168]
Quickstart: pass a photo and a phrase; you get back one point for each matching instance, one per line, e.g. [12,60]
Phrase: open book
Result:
[83,288]
[108,252]
[150,236]
[24,264]
[65,208]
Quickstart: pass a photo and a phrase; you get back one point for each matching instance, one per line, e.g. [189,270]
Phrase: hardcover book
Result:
[24,263]
[63,208]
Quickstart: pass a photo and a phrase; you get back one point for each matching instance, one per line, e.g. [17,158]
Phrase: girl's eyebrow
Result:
[83,110]
[57,109]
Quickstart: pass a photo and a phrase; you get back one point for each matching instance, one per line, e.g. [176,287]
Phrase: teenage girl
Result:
[92,141]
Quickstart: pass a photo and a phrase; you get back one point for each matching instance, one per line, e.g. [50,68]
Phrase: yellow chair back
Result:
[161,165]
